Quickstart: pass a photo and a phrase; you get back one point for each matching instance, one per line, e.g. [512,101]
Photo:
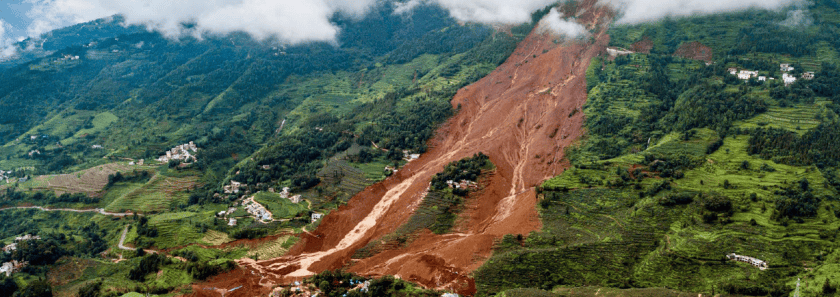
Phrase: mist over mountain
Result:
[421,148]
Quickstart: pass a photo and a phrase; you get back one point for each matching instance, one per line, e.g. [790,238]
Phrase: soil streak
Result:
[510,115]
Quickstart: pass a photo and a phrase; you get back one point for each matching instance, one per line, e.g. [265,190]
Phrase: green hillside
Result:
[683,164]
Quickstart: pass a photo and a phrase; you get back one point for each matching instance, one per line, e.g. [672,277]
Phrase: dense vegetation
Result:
[323,119]
[683,163]
[340,283]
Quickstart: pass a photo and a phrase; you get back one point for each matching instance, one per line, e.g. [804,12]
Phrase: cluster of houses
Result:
[184,152]
[286,194]
[257,210]
[786,77]
[222,214]
[408,156]
[10,267]
[234,187]
[760,264]
[4,175]
[69,57]
[463,184]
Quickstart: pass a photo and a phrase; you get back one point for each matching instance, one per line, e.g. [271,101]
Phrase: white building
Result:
[785,67]
[746,74]
[760,264]
[7,268]
[317,216]
[788,79]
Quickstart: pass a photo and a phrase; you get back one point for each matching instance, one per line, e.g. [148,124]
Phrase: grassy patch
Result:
[279,207]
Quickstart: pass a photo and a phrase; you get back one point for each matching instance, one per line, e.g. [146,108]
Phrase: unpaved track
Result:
[96,210]
[509,116]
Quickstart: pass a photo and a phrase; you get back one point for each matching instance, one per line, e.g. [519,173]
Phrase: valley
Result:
[420,155]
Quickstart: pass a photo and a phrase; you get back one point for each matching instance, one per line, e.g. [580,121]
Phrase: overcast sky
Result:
[304,20]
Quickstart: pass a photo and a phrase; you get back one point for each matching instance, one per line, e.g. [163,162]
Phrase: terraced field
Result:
[159,194]
[798,119]
[271,249]
[90,181]
[342,177]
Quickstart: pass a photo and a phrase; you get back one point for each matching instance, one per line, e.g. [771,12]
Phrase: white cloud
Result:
[289,20]
[493,11]
[638,11]
[7,48]
[554,22]
[305,20]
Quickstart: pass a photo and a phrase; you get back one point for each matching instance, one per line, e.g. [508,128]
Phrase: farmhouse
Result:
[27,237]
[317,216]
[463,184]
[234,187]
[408,156]
[7,268]
[785,67]
[808,75]
[256,209]
[182,152]
[746,74]
[760,264]
[788,79]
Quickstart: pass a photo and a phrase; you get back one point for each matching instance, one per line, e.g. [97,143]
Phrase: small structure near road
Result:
[760,264]
[317,216]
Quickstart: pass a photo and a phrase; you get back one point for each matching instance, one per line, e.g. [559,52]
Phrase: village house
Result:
[232,222]
[317,216]
[27,237]
[746,74]
[96,147]
[785,67]
[234,187]
[788,79]
[760,264]
[408,156]
[7,268]
[808,75]
[257,210]
[463,184]
[182,152]
[286,194]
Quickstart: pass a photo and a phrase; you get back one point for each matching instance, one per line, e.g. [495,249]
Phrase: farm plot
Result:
[159,194]
[90,181]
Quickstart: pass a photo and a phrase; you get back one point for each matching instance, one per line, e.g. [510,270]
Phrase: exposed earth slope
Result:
[522,115]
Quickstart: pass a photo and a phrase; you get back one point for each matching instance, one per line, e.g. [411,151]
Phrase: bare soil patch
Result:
[507,115]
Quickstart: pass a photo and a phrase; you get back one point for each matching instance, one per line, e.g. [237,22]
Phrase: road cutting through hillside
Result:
[502,115]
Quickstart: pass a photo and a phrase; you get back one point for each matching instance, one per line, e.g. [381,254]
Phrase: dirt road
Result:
[96,210]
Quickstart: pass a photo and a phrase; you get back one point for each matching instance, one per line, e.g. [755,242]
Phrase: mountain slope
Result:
[509,115]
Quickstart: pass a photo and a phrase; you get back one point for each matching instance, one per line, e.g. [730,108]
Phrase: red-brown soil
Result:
[508,115]
[642,46]
[695,50]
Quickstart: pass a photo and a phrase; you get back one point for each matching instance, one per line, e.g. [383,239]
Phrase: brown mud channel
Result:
[523,115]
